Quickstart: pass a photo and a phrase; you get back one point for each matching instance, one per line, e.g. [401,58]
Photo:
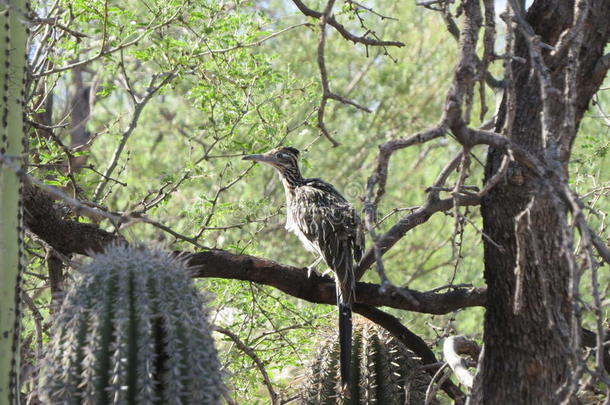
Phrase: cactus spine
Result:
[13,34]
[383,370]
[132,330]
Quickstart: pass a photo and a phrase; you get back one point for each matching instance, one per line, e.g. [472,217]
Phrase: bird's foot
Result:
[326,272]
[312,267]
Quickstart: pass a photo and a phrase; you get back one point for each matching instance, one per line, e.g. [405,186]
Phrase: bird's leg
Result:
[312,267]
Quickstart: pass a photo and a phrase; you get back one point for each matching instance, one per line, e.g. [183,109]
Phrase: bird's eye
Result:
[281,155]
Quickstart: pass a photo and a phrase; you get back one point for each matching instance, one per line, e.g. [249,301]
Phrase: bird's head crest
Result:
[290,149]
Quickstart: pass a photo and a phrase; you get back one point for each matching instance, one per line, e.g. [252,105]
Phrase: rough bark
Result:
[66,236]
[528,333]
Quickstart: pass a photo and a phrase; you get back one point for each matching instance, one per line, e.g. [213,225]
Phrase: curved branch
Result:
[453,347]
[408,222]
[342,30]
[321,289]
[380,175]
[67,237]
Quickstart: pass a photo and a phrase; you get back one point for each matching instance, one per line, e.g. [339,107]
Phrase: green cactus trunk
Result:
[12,68]
[383,372]
[132,330]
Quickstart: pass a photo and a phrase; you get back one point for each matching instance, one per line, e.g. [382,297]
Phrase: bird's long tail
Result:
[345,296]
[340,258]
[345,342]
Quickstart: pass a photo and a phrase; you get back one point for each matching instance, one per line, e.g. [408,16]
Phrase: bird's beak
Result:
[258,158]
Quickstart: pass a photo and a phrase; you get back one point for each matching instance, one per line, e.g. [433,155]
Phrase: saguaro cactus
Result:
[132,330]
[13,56]
[384,372]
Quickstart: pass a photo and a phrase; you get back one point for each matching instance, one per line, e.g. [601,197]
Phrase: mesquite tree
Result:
[417,144]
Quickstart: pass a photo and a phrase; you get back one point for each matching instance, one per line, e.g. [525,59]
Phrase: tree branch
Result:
[321,289]
[342,30]
[408,222]
[452,348]
[137,110]
[68,237]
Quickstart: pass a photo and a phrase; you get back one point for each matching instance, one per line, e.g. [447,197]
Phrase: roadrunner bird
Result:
[327,224]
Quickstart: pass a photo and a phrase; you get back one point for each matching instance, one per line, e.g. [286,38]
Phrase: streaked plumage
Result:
[327,224]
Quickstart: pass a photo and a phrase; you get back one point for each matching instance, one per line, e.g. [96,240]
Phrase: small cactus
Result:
[383,372]
[132,330]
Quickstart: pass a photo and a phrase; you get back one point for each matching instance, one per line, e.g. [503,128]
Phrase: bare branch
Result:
[137,110]
[405,224]
[497,177]
[324,81]
[355,4]
[364,39]
[489,40]
[452,348]
[326,92]
[454,30]
[275,398]
[380,174]
[574,32]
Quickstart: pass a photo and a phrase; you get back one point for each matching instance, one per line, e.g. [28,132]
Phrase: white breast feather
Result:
[292,226]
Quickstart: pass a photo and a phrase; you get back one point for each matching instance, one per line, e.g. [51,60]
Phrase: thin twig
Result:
[138,107]
[252,354]
[364,39]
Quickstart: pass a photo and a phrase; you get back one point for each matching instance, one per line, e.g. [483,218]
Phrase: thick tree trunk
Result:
[528,324]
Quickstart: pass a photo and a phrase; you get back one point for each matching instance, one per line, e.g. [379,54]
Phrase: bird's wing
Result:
[356,230]
[329,222]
